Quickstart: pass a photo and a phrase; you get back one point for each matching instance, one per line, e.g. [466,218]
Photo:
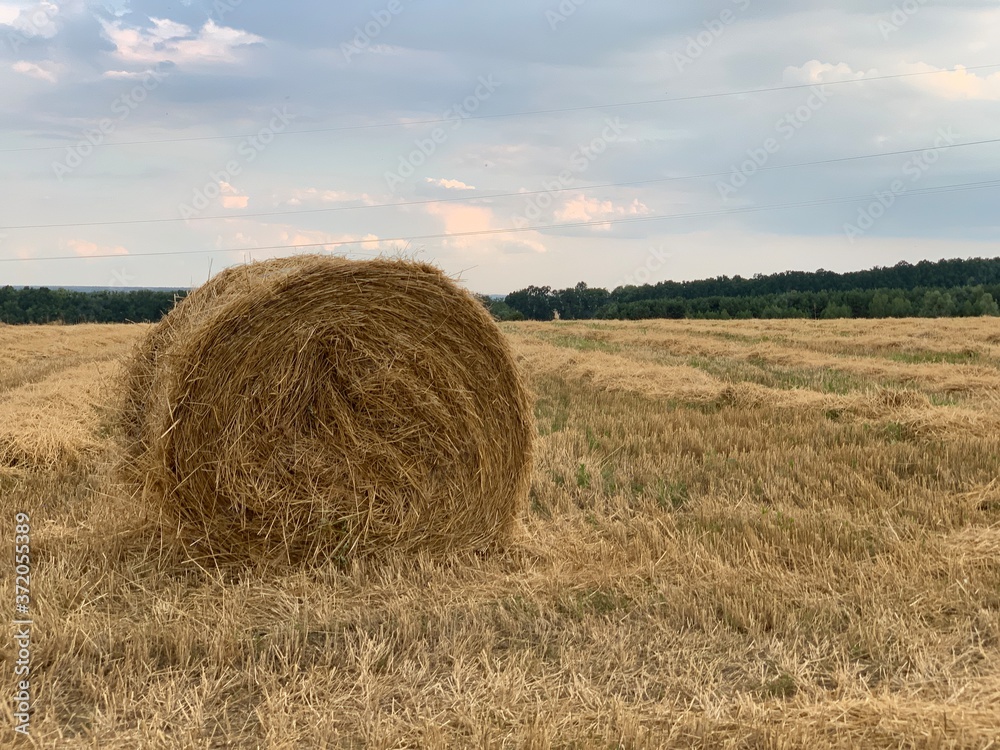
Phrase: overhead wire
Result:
[979,185]
[522,113]
[488,196]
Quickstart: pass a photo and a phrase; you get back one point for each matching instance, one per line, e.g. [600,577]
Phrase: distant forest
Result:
[43,305]
[944,288]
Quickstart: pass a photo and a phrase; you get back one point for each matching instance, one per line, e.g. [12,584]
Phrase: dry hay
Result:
[615,372]
[54,424]
[32,353]
[315,406]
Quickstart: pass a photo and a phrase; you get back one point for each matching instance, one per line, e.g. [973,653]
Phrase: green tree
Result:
[833,310]
[986,305]
[900,306]
[937,304]
[534,302]
[880,305]
[499,309]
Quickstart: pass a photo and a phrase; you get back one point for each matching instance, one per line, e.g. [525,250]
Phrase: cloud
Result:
[128,75]
[8,14]
[301,196]
[459,219]
[450,184]
[169,40]
[957,84]
[164,29]
[225,82]
[815,71]
[334,242]
[86,249]
[952,84]
[281,239]
[231,197]
[583,208]
[46,71]
[36,21]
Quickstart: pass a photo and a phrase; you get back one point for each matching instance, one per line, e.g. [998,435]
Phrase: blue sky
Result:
[154,144]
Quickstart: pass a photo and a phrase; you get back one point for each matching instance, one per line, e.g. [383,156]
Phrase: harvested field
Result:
[741,534]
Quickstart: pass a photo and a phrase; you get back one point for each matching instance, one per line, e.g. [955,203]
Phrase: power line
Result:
[473,198]
[523,113]
[511,230]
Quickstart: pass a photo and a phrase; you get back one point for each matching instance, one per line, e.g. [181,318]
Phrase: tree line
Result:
[944,288]
[44,305]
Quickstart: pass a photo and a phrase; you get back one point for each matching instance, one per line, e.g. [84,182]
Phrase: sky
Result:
[511,144]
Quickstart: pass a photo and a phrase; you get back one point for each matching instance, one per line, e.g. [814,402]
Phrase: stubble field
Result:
[753,534]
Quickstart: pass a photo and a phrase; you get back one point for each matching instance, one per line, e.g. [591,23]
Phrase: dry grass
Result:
[54,348]
[53,385]
[722,550]
[316,406]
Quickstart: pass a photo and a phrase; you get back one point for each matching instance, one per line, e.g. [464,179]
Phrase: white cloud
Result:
[957,84]
[952,84]
[165,29]
[128,75]
[169,40]
[33,21]
[815,71]
[450,184]
[583,208]
[304,196]
[8,13]
[46,71]
[86,249]
[231,197]
[460,219]
[247,234]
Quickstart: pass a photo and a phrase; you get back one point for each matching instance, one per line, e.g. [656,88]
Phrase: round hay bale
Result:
[316,406]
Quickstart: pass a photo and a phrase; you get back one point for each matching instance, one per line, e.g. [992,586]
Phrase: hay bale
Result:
[315,406]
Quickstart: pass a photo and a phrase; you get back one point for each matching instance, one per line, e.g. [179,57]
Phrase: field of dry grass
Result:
[755,534]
